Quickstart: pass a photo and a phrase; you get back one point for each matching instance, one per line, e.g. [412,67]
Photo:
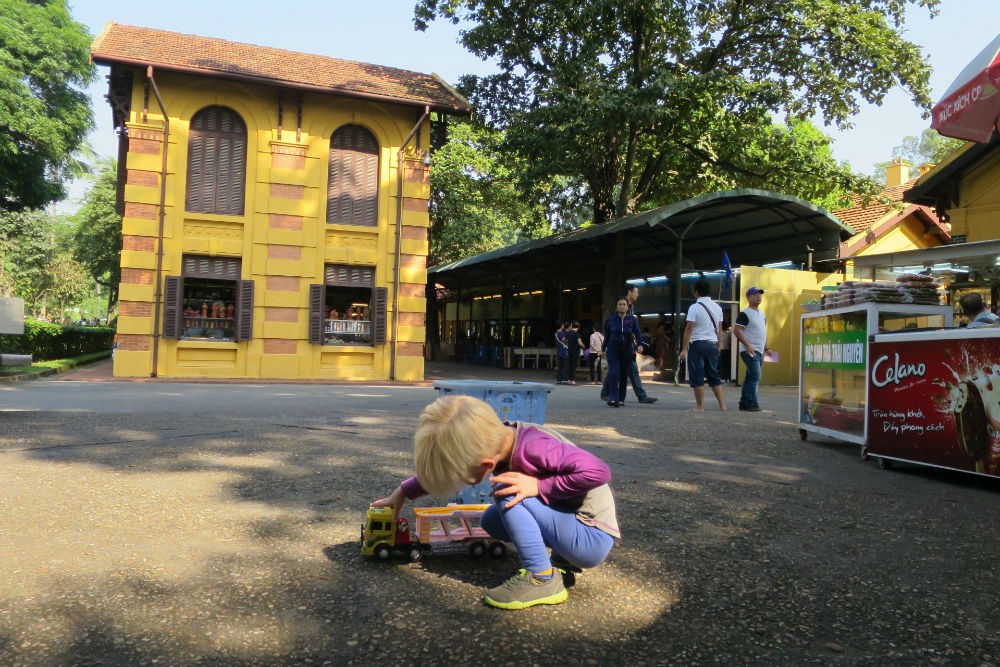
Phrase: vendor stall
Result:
[835,362]
[934,399]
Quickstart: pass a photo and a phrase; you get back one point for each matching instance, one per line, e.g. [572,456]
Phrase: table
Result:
[522,355]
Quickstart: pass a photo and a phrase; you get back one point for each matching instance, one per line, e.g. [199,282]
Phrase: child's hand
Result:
[519,485]
[395,501]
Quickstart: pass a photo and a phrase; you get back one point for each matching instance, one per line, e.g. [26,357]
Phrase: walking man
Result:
[751,332]
[700,348]
[632,295]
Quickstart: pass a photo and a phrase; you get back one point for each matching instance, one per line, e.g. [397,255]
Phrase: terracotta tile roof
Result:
[208,56]
[860,216]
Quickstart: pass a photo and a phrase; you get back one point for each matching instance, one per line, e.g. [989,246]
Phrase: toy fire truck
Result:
[439,530]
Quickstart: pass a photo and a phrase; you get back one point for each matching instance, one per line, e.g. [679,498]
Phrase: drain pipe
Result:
[399,239]
[158,297]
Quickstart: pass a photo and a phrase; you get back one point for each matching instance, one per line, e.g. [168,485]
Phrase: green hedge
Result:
[46,341]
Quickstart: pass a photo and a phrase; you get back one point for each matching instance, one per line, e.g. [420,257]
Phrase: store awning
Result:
[970,108]
[754,227]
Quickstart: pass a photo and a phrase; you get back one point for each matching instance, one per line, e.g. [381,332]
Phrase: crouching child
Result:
[548,494]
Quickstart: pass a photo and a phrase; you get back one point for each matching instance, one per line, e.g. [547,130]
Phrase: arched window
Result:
[352,194]
[217,162]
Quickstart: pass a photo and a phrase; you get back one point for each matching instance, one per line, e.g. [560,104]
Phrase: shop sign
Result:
[937,402]
[843,350]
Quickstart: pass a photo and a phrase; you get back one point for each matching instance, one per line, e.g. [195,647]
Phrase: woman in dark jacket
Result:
[621,331]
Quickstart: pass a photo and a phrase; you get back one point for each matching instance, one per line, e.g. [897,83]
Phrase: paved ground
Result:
[161,523]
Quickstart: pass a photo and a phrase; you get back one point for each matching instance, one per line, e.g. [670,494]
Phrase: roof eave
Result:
[456,110]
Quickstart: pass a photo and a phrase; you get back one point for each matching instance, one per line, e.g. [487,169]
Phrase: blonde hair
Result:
[454,435]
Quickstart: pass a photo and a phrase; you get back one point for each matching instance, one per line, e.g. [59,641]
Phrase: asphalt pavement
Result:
[216,523]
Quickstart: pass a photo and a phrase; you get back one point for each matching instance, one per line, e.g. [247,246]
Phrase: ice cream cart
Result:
[835,361]
[934,399]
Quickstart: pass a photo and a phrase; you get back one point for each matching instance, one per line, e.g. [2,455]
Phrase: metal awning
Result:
[754,227]
[978,260]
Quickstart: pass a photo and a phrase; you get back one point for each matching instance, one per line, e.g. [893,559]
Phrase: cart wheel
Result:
[885,464]
[864,454]
[802,433]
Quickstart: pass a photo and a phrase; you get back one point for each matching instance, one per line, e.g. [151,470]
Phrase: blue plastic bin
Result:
[513,401]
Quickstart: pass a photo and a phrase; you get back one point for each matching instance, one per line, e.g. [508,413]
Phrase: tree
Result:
[929,147]
[98,235]
[26,240]
[68,283]
[475,205]
[44,115]
[655,100]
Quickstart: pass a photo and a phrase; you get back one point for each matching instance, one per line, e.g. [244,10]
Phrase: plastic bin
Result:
[513,401]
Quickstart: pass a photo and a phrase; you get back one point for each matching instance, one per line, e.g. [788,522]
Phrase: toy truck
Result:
[439,530]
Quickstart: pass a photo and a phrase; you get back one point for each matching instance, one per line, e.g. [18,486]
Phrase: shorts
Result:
[702,361]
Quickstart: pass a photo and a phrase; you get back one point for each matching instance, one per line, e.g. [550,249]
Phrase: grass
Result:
[57,365]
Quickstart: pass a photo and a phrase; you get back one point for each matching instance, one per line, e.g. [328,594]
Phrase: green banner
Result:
[840,349]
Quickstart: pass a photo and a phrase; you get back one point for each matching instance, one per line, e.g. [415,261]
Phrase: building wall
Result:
[282,238]
[784,292]
[977,215]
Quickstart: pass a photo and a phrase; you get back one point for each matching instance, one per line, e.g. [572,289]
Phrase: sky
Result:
[382,32]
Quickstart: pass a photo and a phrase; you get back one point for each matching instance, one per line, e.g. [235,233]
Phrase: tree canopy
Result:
[98,234]
[44,115]
[651,101]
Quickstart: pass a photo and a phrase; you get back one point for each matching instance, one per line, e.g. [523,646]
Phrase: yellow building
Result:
[887,224]
[965,191]
[275,209]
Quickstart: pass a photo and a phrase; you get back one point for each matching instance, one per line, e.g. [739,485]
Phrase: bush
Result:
[46,341]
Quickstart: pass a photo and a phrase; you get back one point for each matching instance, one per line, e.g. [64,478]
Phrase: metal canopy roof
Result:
[753,226]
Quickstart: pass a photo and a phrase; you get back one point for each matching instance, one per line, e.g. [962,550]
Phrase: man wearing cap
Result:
[751,332]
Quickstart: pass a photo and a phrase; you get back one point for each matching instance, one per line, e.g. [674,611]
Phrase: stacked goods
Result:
[909,288]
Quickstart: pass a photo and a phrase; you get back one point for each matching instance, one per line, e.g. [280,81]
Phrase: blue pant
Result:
[748,397]
[532,526]
[633,376]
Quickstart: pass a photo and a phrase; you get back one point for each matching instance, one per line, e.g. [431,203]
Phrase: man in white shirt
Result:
[751,332]
[701,346]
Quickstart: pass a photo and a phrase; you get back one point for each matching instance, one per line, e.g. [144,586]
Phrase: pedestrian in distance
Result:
[547,493]
[562,354]
[574,346]
[596,356]
[621,331]
[751,332]
[700,347]
[631,296]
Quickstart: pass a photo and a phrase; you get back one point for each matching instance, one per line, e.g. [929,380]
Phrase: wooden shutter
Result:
[352,189]
[217,268]
[379,311]
[344,275]
[217,153]
[244,310]
[317,310]
[173,290]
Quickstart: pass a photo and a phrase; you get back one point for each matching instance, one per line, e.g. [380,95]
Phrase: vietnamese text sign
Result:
[838,349]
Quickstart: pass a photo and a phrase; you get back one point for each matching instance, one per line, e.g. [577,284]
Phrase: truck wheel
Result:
[498,549]
[416,554]
[477,549]
[383,552]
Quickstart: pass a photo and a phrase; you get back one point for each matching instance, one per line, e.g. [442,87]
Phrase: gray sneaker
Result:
[521,592]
